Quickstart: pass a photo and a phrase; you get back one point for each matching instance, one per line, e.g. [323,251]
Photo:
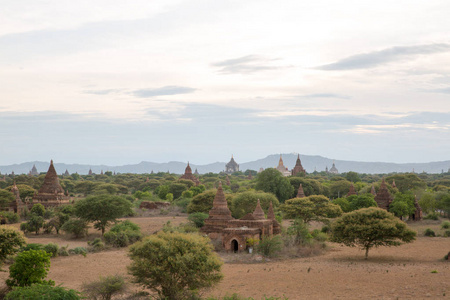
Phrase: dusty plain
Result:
[404,272]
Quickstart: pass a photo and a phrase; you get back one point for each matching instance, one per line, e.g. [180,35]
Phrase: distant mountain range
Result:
[309,162]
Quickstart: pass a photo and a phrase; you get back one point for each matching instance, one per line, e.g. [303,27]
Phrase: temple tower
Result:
[51,193]
[298,167]
[383,197]
[300,192]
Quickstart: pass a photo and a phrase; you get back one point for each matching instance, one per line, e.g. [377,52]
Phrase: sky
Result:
[118,82]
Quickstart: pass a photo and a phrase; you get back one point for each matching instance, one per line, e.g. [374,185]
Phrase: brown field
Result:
[339,273]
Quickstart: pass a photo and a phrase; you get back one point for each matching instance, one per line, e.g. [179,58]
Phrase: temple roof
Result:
[300,192]
[188,169]
[51,182]
[352,190]
[220,206]
[231,163]
[258,214]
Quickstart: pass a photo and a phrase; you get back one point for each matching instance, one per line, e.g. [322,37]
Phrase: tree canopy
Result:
[272,181]
[175,265]
[102,209]
[370,227]
[312,208]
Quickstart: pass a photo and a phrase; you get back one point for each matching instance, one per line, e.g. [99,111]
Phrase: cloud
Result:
[162,91]
[245,65]
[102,92]
[442,91]
[376,58]
[326,95]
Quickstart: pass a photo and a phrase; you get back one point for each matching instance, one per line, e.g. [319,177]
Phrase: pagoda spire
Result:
[258,214]
[220,206]
[300,192]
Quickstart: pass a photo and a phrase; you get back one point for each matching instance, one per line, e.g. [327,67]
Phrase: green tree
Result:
[175,265]
[102,210]
[343,203]
[361,201]
[30,267]
[443,202]
[77,227]
[42,292]
[244,203]
[339,188]
[177,189]
[370,227]
[402,205]
[6,197]
[428,202]
[25,191]
[38,210]
[10,242]
[407,182]
[312,208]
[198,219]
[352,177]
[106,287]
[35,223]
[272,181]
[162,191]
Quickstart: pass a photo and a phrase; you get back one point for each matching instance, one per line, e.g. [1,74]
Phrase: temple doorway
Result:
[235,246]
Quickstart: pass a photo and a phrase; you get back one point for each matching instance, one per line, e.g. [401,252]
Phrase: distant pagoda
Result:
[383,197]
[189,176]
[300,192]
[51,193]
[298,167]
[351,191]
[34,171]
[283,170]
[231,166]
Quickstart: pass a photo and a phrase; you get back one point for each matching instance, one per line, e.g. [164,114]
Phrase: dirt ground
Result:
[403,272]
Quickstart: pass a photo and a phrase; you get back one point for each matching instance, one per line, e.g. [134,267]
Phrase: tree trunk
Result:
[367,252]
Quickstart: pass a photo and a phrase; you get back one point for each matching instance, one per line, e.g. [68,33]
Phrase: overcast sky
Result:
[119,82]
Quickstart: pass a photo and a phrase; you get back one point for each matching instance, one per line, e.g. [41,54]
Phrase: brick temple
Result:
[189,176]
[51,192]
[234,232]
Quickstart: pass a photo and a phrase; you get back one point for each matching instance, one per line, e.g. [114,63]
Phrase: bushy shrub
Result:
[42,292]
[319,236]
[123,234]
[48,228]
[96,245]
[432,216]
[52,249]
[182,228]
[445,225]
[299,231]
[106,287]
[77,227]
[11,217]
[32,246]
[429,232]
[78,250]
[447,233]
[10,242]
[182,203]
[325,229]
[63,251]
[24,227]
[29,267]
[269,246]
[198,219]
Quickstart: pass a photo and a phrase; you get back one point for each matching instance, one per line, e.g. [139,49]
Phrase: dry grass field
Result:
[403,272]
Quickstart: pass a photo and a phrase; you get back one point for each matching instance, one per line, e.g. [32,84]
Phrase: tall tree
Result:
[272,181]
[370,227]
[102,210]
[175,265]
